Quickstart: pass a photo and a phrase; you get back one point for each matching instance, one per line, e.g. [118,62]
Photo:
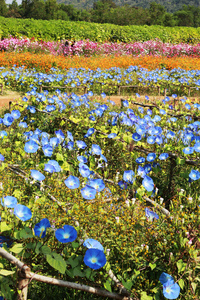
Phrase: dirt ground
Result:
[7,97]
[13,96]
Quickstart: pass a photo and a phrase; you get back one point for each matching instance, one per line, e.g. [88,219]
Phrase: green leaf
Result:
[127,284]
[75,244]
[37,249]
[180,161]
[4,272]
[144,296]
[72,262]
[26,233]
[59,156]
[17,248]
[70,273]
[194,286]
[45,250]
[58,264]
[181,265]
[88,273]
[181,283]
[152,266]
[5,227]
[17,193]
[77,272]
[107,286]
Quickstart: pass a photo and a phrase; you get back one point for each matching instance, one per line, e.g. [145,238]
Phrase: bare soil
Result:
[7,97]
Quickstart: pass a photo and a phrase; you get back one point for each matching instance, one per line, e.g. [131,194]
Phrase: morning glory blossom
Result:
[22,212]
[9,201]
[94,259]
[93,244]
[37,175]
[66,234]
[40,228]
[72,182]
[31,147]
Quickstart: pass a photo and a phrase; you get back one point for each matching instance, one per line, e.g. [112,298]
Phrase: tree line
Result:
[103,11]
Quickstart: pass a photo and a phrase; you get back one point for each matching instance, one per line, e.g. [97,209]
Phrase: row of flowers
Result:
[46,62]
[89,48]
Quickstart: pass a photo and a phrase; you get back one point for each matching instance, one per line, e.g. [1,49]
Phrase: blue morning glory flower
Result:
[94,259]
[125,103]
[60,135]
[23,124]
[140,160]
[31,147]
[97,184]
[93,244]
[89,132]
[81,144]
[72,182]
[2,158]
[55,164]
[47,150]
[188,150]
[122,185]
[82,159]
[171,290]
[40,228]
[197,147]
[88,192]
[164,277]
[8,119]
[147,168]
[163,156]
[136,137]
[194,175]
[84,170]
[9,201]
[15,114]
[141,171]
[151,215]
[70,136]
[151,139]
[128,176]
[112,135]
[49,168]
[22,212]
[37,175]
[96,149]
[66,234]
[151,157]
[148,183]
[54,142]
[3,133]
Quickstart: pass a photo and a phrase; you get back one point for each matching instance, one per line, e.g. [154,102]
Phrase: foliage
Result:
[56,30]
[139,243]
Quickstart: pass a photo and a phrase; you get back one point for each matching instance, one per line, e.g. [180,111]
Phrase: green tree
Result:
[157,12]
[184,18]
[72,12]
[37,10]
[169,20]
[3,8]
[51,8]
[13,10]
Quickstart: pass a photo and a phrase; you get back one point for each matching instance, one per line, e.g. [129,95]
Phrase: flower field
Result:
[102,197]
[89,48]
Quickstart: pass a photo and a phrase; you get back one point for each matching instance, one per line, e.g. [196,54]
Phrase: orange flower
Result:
[43,62]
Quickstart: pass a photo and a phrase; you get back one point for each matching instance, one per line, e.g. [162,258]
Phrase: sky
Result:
[10,1]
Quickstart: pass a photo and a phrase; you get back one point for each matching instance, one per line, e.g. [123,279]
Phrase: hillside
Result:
[170,5]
